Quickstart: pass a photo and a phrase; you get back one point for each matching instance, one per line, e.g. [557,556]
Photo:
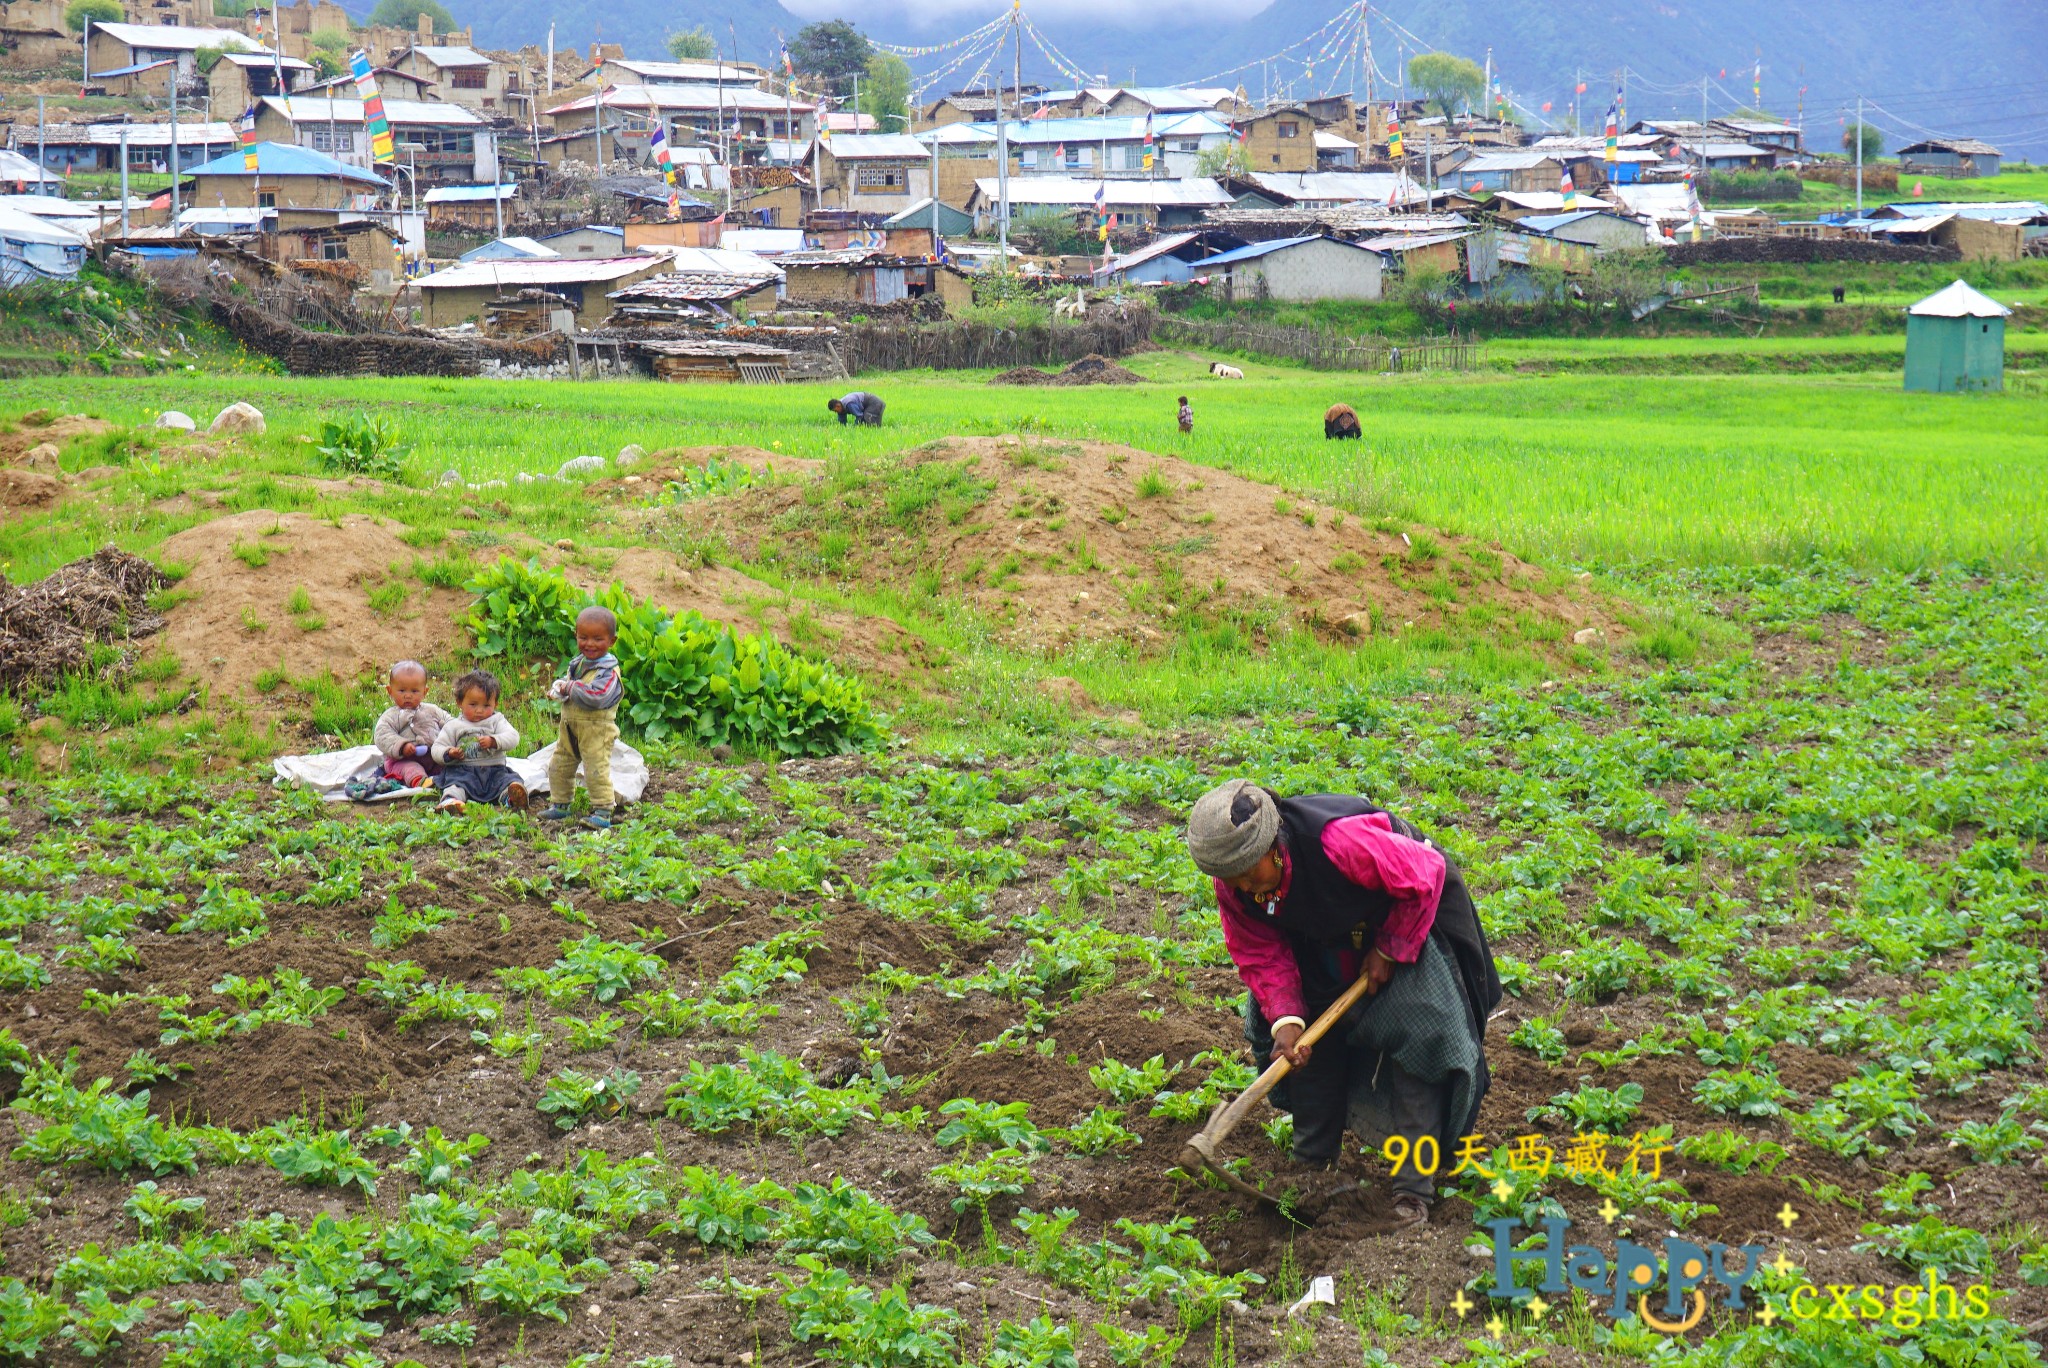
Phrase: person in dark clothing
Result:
[860,406]
[1340,420]
[1315,893]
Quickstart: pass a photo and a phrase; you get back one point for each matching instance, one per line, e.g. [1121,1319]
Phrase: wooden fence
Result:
[978,346]
[1319,349]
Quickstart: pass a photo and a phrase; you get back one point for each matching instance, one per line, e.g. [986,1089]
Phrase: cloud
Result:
[945,17]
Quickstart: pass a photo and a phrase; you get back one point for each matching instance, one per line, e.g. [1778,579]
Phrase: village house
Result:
[1509,171]
[297,25]
[97,146]
[1336,153]
[285,177]
[1726,156]
[1279,139]
[1298,269]
[623,71]
[358,252]
[687,113]
[1142,100]
[873,172]
[1600,229]
[594,241]
[510,249]
[239,79]
[34,36]
[687,296]
[463,76]
[1129,203]
[857,275]
[983,105]
[461,293]
[392,84]
[140,59]
[1958,158]
[909,232]
[1326,189]
[471,206]
[437,144]
[1103,146]
[1774,135]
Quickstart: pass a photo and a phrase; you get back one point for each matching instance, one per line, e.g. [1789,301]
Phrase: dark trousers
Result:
[1319,1099]
[477,783]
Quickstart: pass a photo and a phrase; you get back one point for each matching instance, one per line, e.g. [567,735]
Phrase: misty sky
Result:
[943,18]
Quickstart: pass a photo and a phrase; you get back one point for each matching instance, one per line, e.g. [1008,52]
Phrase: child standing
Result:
[1187,415]
[472,748]
[405,733]
[589,690]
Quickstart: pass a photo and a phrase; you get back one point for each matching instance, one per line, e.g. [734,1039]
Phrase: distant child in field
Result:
[1187,415]
[405,733]
[471,749]
[589,690]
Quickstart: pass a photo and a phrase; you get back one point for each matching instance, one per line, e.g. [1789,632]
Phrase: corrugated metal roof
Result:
[177,38]
[510,248]
[1958,301]
[690,287]
[1082,132]
[1159,247]
[877,147]
[512,274]
[332,109]
[1259,249]
[452,56]
[257,61]
[1724,149]
[1504,161]
[1074,192]
[470,194]
[696,97]
[190,134]
[1544,223]
[283,159]
[1963,147]
[1339,186]
[686,73]
[1543,201]
[1991,211]
[1326,140]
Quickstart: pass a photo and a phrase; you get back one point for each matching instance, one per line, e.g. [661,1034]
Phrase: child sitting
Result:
[472,749]
[405,734]
[1187,415]
[589,690]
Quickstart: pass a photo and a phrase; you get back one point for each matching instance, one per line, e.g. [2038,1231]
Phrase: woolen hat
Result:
[1223,847]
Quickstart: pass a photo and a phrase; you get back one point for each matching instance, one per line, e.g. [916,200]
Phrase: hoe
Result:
[1200,1152]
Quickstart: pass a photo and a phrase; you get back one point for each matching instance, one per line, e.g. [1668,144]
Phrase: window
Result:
[266,199]
[321,138]
[333,249]
[880,180]
[470,77]
[441,140]
[1028,157]
[1287,129]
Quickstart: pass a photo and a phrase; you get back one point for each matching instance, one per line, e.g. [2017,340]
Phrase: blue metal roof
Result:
[282,159]
[1544,223]
[458,194]
[132,70]
[1259,249]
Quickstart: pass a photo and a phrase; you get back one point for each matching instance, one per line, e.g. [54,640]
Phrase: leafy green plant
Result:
[1593,1108]
[155,1212]
[573,1098]
[684,674]
[97,1322]
[1007,1125]
[1131,1084]
[520,1282]
[1039,1343]
[1741,1092]
[722,1212]
[325,1159]
[362,445]
[1100,1132]
[857,1326]
[842,1223]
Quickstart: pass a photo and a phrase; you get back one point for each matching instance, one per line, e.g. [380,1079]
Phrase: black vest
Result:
[1322,907]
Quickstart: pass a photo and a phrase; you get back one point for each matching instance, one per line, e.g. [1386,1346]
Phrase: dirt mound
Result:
[870,645]
[670,463]
[1023,375]
[23,489]
[1059,542]
[34,428]
[1089,370]
[246,616]
[50,627]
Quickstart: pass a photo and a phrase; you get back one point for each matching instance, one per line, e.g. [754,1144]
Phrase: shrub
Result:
[362,445]
[684,674]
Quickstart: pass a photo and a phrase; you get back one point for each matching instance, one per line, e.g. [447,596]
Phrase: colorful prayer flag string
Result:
[382,152]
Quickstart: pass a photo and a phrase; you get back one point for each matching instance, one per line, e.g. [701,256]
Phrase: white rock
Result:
[237,417]
[523,478]
[492,484]
[448,477]
[180,422]
[1586,636]
[592,464]
[630,455]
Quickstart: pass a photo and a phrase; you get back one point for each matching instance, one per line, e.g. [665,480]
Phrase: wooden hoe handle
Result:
[1227,1118]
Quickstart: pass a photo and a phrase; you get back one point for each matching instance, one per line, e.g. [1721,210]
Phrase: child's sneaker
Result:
[450,804]
[515,797]
[554,812]
[597,821]
[357,790]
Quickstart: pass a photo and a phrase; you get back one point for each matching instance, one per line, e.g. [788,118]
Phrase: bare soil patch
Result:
[1062,542]
[33,429]
[1089,370]
[239,621]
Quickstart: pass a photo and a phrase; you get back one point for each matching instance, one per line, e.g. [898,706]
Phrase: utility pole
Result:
[42,161]
[1003,157]
[1365,56]
[734,36]
[551,60]
[597,126]
[1859,156]
[124,176]
[174,145]
[937,250]
[1703,125]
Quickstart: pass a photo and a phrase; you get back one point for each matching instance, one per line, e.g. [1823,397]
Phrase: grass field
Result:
[885,1060]
[1697,469]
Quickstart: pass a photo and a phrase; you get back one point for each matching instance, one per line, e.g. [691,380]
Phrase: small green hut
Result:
[1955,342]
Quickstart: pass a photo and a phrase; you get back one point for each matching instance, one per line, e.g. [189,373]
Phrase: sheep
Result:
[1223,372]
[1340,421]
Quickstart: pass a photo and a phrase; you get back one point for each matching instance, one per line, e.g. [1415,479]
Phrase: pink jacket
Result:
[1367,851]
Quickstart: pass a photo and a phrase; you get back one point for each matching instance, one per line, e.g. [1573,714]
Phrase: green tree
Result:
[1447,82]
[207,58]
[330,50]
[885,92]
[406,14]
[695,45]
[1872,139]
[1227,158]
[79,12]
[833,50]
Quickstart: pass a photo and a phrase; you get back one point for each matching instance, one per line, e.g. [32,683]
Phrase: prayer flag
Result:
[249,138]
[1102,210]
[787,68]
[382,151]
[1148,142]
[1613,152]
[1393,132]
[657,143]
[1568,190]
[824,128]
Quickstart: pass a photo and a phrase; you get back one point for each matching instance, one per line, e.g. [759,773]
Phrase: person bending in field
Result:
[860,406]
[589,691]
[1187,415]
[405,734]
[471,749]
[1316,893]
